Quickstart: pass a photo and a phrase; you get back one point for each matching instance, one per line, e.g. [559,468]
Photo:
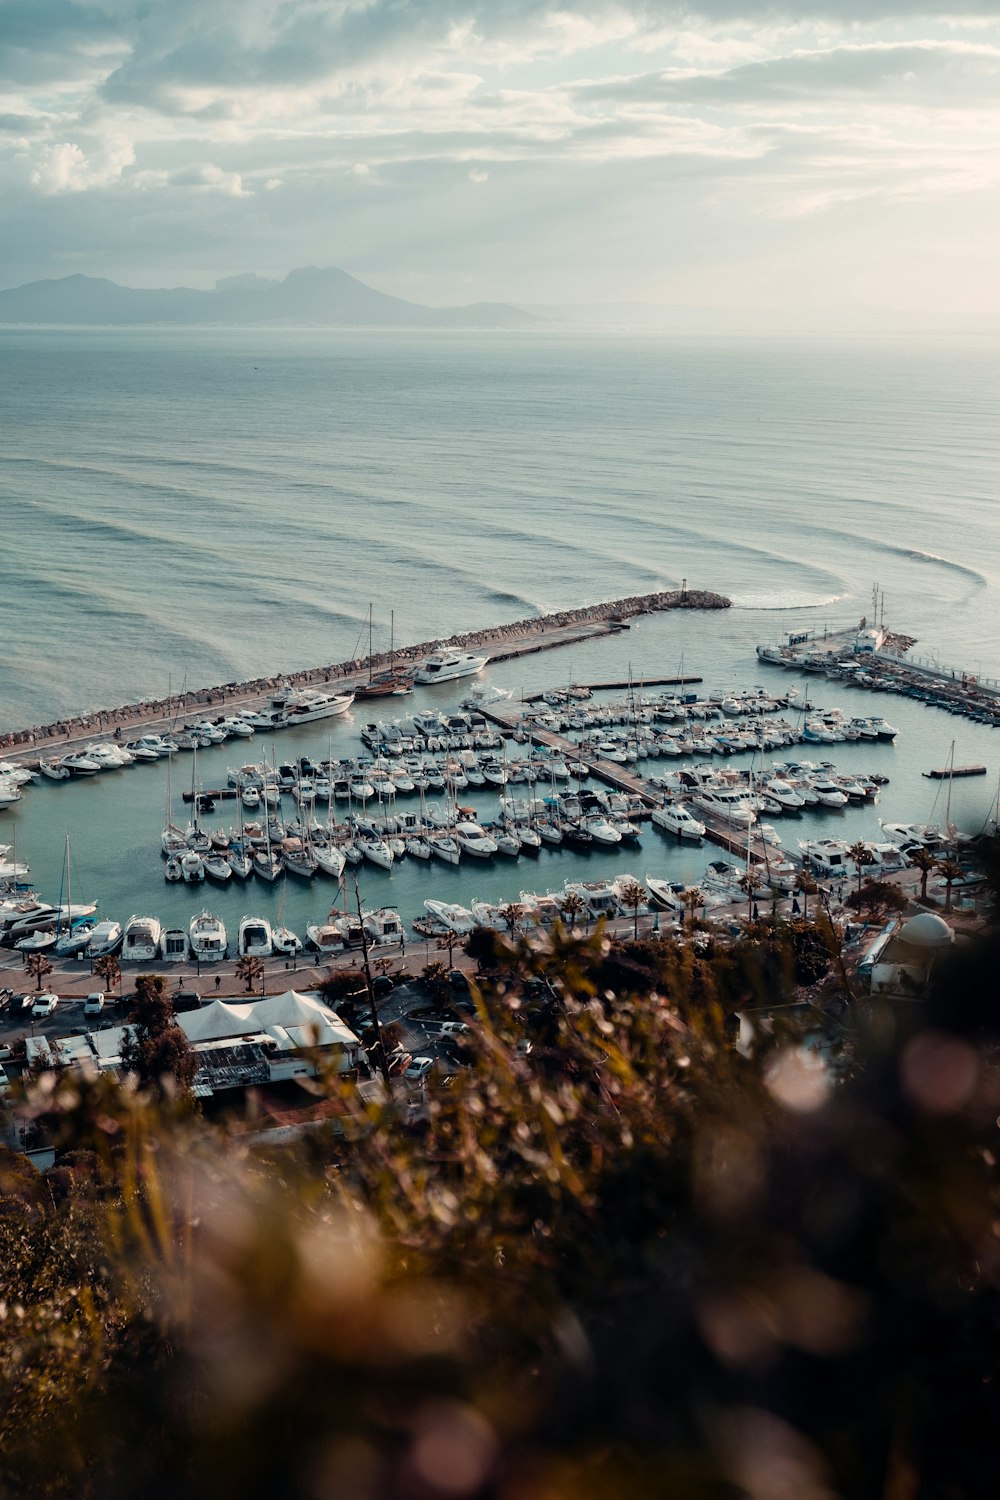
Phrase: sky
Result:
[827,164]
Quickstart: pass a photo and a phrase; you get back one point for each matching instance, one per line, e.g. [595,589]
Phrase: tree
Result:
[512,914]
[109,969]
[876,899]
[923,860]
[38,967]
[751,881]
[951,870]
[693,897]
[250,968]
[572,906]
[808,886]
[154,1047]
[633,895]
[860,854]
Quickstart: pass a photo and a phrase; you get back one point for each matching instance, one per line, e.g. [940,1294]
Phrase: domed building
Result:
[905,964]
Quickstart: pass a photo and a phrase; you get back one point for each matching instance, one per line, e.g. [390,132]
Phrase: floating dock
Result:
[945,773]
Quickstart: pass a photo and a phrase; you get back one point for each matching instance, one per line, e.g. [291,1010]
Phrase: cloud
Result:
[66,168]
[209,178]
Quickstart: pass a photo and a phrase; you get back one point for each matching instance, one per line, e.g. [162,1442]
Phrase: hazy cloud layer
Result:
[722,151]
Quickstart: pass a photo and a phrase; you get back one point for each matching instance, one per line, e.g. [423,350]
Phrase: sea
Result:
[183,508]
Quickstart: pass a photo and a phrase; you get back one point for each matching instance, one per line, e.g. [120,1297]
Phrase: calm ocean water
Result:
[184,507]
[211,505]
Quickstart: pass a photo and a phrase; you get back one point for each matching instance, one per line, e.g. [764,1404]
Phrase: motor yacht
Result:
[208,938]
[325,937]
[445,666]
[664,893]
[141,942]
[285,941]
[598,896]
[174,946]
[105,939]
[472,839]
[458,919]
[676,818]
[305,705]
[217,867]
[826,856]
[255,938]
[383,926]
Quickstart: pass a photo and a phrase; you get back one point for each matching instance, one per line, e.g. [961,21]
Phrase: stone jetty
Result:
[500,642]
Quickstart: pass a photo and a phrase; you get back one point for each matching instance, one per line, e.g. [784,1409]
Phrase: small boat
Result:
[285,941]
[41,940]
[445,847]
[216,866]
[192,866]
[74,940]
[105,939]
[471,839]
[267,863]
[239,861]
[325,937]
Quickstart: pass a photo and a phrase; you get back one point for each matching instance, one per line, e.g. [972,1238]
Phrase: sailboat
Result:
[75,925]
[390,682]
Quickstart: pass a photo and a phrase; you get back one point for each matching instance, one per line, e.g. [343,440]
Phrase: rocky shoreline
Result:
[501,641]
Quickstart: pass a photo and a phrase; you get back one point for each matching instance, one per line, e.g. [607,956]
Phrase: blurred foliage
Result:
[616,1257]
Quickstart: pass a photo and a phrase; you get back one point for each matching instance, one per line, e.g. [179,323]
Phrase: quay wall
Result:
[521,637]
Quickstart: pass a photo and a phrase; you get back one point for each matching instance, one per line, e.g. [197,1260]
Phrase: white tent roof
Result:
[278,1015]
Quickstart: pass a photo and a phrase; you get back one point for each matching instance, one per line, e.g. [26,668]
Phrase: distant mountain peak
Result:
[308,296]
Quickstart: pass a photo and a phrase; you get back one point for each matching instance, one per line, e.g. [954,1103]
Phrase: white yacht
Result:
[827,856]
[174,945]
[457,918]
[106,938]
[208,938]
[445,666]
[255,939]
[663,894]
[472,839]
[142,940]
[677,819]
[727,803]
[325,937]
[598,896]
[601,830]
[383,926]
[304,705]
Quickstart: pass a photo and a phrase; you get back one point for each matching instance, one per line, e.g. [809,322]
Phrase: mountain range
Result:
[309,296]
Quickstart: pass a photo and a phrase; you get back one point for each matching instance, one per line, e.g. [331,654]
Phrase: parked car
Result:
[185,1000]
[94,1004]
[417,1069]
[44,1005]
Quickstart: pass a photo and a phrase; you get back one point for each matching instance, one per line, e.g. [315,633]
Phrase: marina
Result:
[483,798]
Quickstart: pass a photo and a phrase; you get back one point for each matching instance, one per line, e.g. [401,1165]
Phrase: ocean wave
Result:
[771,601]
[942,562]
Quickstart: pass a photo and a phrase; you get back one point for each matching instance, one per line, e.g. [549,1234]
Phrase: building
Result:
[906,961]
[240,1044]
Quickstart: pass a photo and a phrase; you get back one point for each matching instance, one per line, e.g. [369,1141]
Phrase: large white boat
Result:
[208,938]
[676,819]
[457,918]
[445,666]
[471,839]
[255,938]
[142,940]
[383,926]
[303,705]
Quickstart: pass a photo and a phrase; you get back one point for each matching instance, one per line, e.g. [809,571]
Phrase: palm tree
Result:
[861,855]
[633,895]
[693,897]
[38,967]
[572,907]
[808,887]
[250,968]
[751,881]
[923,860]
[951,870]
[512,914]
[109,969]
